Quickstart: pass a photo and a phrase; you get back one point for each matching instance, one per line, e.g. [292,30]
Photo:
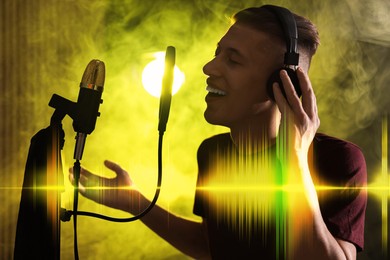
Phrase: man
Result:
[272,144]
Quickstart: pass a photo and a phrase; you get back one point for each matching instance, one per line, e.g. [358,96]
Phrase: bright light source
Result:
[153,73]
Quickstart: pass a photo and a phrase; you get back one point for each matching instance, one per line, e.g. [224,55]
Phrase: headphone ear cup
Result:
[275,77]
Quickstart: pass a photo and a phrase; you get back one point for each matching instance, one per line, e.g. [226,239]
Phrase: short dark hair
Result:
[264,20]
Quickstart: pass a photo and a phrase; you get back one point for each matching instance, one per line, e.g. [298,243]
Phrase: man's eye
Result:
[232,61]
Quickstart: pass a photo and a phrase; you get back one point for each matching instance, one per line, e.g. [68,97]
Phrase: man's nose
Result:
[211,68]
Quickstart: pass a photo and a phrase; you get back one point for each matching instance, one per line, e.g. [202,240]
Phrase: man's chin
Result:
[209,118]
[213,119]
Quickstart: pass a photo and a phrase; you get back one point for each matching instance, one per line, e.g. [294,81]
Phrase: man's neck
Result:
[253,137]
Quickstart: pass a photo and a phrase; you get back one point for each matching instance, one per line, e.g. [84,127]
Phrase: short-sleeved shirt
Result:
[246,225]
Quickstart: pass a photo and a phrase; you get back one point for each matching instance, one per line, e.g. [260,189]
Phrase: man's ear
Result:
[262,106]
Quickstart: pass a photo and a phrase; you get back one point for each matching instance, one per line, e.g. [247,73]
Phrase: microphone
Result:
[166,91]
[85,112]
[87,106]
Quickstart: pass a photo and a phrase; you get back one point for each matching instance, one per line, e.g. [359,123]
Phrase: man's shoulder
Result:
[336,147]
[331,142]
[337,155]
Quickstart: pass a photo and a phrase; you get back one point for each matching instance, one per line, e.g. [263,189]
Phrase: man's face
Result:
[237,76]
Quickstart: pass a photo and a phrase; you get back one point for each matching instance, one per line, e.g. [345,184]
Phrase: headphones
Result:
[291,57]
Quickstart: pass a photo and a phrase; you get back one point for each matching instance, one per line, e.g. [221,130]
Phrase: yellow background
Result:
[45,46]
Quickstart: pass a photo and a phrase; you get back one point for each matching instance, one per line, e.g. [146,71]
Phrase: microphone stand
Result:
[38,229]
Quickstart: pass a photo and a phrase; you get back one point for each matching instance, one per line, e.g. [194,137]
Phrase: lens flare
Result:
[380,187]
[153,73]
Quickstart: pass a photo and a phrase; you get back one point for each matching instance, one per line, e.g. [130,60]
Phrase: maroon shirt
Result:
[335,163]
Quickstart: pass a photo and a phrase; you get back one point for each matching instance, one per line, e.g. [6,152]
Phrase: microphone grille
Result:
[94,75]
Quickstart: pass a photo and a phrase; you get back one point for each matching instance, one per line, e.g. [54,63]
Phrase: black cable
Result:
[76,213]
[76,171]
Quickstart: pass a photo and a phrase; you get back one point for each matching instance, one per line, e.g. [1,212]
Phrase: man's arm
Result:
[186,235]
[307,230]
[307,225]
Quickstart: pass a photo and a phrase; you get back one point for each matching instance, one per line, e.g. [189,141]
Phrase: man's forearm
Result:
[308,225]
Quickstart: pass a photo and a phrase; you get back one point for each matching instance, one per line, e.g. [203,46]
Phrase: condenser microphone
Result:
[85,111]
[87,106]
[166,91]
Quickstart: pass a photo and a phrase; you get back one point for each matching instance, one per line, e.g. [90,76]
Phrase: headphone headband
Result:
[290,30]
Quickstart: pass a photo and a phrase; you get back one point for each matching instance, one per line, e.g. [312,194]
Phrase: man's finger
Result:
[279,98]
[308,98]
[122,175]
[292,97]
[113,166]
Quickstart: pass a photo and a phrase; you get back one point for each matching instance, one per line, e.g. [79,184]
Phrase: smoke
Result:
[371,20]
[350,70]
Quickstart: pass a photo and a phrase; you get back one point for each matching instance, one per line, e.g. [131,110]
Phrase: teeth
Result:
[215,91]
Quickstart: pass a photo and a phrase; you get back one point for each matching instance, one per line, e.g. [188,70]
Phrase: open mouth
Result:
[215,92]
